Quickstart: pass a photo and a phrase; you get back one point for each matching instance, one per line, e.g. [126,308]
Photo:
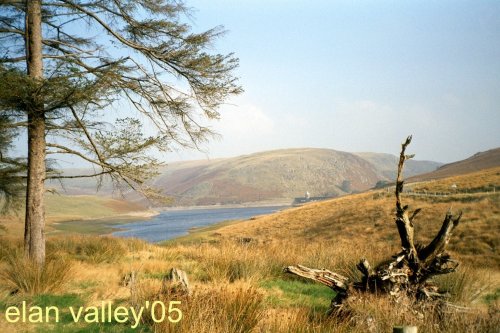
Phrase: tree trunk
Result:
[34,238]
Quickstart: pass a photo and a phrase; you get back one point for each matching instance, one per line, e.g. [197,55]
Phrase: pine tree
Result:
[11,169]
[66,63]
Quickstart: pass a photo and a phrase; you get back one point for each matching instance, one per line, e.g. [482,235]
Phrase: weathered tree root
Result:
[409,271]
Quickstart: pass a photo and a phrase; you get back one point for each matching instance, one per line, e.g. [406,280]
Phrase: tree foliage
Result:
[11,169]
[69,67]
[99,54]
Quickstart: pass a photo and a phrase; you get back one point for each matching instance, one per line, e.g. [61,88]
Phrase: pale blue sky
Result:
[359,75]
[356,76]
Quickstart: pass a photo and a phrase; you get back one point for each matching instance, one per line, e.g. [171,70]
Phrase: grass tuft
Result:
[21,274]
[227,309]
[90,249]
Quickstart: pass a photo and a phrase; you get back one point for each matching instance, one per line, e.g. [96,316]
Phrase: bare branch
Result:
[80,176]
[330,279]
[87,134]
[106,26]
[415,213]
[438,244]
[403,222]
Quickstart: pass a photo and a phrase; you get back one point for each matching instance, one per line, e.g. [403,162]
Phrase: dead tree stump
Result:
[176,282]
[408,272]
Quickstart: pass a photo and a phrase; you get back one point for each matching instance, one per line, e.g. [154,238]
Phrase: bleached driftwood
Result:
[409,271]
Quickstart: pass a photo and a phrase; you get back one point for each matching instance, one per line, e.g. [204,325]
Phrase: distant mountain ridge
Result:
[479,161]
[278,175]
[386,164]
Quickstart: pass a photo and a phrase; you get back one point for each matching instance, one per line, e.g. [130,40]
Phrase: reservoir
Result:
[175,223]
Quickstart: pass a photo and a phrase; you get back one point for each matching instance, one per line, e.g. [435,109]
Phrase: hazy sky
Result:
[356,76]
[359,76]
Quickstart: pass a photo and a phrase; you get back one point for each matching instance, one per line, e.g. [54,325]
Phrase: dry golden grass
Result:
[226,308]
[21,275]
[367,220]
[228,276]
[484,180]
[237,273]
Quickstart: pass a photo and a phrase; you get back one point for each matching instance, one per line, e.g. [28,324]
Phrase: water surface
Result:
[176,223]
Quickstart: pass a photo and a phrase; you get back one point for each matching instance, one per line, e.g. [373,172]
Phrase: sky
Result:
[358,76]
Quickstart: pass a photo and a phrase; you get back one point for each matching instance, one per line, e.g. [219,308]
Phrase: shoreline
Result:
[107,225]
[104,225]
[130,215]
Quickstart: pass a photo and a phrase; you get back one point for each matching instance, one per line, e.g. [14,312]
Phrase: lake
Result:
[176,223]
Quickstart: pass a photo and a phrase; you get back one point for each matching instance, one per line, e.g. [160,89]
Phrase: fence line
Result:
[446,194]
[493,191]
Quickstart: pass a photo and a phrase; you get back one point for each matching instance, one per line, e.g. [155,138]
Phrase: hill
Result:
[272,176]
[236,270]
[477,162]
[276,175]
[337,233]
[386,164]
[281,175]
[366,219]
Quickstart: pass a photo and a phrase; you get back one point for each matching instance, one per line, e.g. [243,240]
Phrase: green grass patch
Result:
[492,297]
[92,227]
[61,301]
[295,293]
[94,328]
[88,206]
[86,284]
[156,276]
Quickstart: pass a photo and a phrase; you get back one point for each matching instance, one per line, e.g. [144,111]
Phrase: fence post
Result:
[404,329]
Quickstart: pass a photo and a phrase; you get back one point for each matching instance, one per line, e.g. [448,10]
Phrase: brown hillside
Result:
[277,176]
[368,218]
[274,175]
[477,162]
[386,164]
